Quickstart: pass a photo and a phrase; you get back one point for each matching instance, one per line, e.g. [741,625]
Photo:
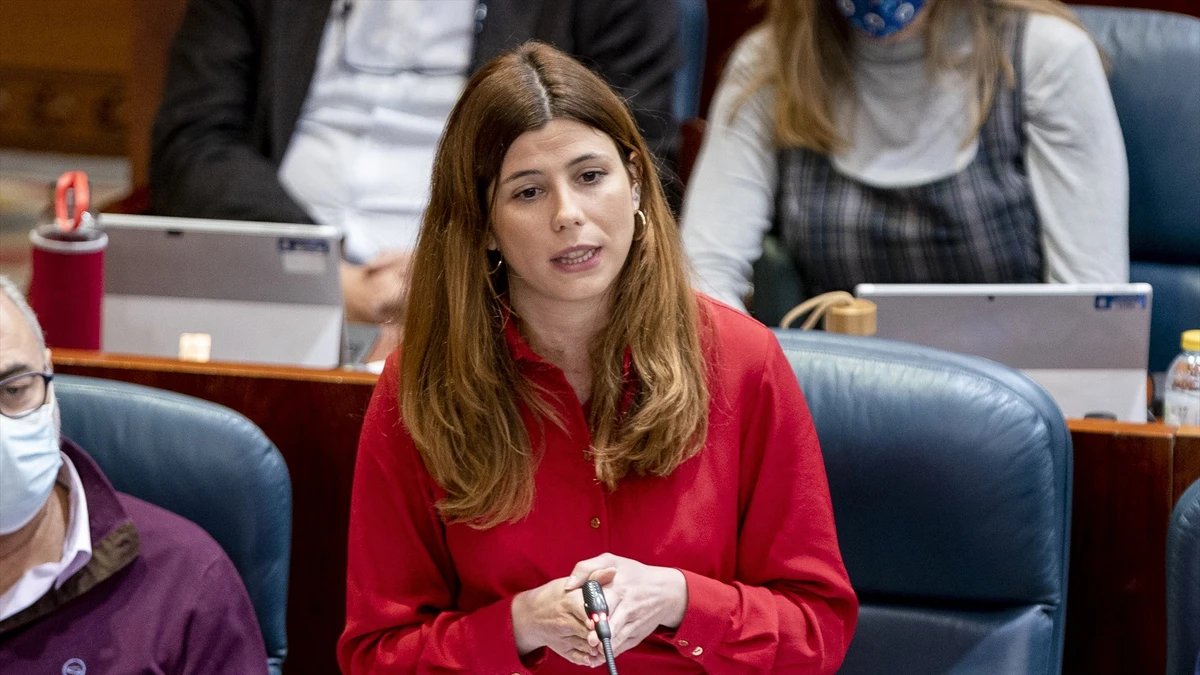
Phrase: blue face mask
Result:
[880,18]
[29,463]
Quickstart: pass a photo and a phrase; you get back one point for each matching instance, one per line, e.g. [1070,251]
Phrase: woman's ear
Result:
[635,177]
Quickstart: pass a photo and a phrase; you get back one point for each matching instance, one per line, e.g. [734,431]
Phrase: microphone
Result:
[597,611]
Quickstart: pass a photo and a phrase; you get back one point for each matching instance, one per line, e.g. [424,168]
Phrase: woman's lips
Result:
[577,258]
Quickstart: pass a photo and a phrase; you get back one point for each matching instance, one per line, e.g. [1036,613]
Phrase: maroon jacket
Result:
[158,596]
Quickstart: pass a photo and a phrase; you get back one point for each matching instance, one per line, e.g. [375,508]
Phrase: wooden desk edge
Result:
[1109,427]
[86,358]
[94,359]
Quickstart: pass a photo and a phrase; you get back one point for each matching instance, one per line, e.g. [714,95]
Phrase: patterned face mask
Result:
[880,18]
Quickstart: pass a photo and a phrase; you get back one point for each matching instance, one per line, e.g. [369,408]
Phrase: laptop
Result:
[219,290]
[1088,345]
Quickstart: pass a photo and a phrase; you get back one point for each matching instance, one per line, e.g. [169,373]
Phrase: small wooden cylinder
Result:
[854,318]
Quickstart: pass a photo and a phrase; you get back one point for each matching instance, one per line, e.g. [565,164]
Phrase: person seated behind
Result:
[944,141]
[564,407]
[330,112]
[92,579]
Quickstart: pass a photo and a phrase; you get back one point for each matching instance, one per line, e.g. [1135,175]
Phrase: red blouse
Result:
[748,521]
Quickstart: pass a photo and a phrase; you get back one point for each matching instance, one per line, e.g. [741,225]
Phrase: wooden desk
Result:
[1186,460]
[314,418]
[1127,478]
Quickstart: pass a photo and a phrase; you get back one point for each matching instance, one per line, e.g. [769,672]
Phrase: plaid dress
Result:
[976,226]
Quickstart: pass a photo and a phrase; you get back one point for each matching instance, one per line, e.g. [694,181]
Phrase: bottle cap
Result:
[1191,340]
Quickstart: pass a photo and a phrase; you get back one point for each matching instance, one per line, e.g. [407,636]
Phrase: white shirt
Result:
[76,551]
[388,74]
[907,131]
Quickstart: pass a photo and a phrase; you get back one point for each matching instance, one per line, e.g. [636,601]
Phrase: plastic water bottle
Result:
[1181,403]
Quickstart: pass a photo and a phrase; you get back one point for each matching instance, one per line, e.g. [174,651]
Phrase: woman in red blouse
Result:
[564,407]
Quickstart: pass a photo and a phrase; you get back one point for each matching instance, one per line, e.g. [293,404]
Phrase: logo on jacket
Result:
[74,667]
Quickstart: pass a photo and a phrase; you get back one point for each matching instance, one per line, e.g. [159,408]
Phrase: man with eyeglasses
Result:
[90,578]
[330,111]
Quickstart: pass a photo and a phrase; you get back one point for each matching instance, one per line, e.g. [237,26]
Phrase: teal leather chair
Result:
[951,484]
[201,461]
[693,39]
[1183,584]
[1155,79]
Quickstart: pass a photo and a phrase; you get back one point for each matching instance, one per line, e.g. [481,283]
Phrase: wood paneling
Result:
[314,418]
[1116,601]
[79,36]
[727,21]
[62,111]
[1187,460]
[154,25]
[63,68]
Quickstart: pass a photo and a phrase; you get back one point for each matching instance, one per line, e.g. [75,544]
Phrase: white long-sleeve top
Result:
[908,129]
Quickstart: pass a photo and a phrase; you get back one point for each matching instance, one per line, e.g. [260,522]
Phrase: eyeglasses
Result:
[24,393]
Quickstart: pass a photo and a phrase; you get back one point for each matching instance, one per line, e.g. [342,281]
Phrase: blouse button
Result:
[697,651]
[595,523]
[683,643]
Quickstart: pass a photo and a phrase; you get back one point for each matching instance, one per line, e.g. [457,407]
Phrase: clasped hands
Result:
[640,598]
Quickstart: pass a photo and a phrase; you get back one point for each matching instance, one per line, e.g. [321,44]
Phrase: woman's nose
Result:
[569,210]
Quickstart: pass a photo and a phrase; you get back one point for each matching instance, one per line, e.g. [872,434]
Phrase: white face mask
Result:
[29,464]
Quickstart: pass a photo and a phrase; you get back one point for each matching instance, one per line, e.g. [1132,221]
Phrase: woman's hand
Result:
[640,597]
[551,616]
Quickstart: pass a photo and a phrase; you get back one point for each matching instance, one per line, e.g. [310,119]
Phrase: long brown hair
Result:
[807,60]
[460,391]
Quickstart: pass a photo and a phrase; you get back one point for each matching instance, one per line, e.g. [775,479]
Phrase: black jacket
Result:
[239,72]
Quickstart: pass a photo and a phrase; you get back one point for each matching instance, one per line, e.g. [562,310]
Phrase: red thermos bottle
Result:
[67,287]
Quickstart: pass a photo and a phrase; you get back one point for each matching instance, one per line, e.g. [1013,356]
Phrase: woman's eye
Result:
[527,193]
[591,176]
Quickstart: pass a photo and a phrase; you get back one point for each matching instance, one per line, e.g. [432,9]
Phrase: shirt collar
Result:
[520,350]
[105,512]
[77,546]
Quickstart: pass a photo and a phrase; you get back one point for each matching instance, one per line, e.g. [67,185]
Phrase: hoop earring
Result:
[499,264]
[491,284]
[639,216]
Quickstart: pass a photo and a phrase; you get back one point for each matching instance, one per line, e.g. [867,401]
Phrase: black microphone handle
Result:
[608,656]
[596,606]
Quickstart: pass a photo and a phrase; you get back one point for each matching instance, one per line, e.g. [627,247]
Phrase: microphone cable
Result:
[597,609]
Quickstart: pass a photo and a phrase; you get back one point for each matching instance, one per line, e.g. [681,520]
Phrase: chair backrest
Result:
[1155,80]
[951,485]
[693,35]
[1183,584]
[201,461]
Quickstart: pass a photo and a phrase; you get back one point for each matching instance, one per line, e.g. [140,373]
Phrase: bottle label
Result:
[1181,407]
